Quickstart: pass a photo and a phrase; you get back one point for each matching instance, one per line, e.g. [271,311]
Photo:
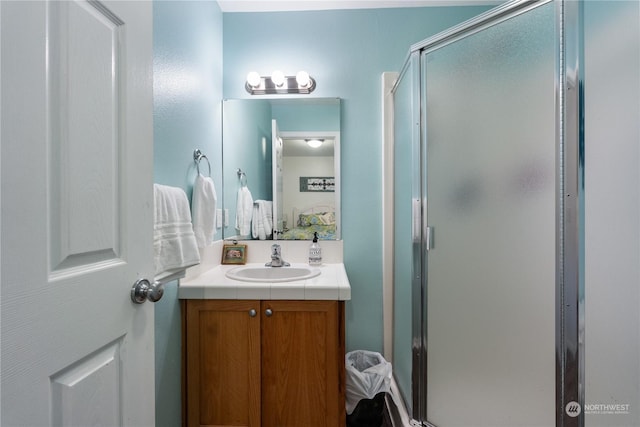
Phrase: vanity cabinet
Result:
[264,363]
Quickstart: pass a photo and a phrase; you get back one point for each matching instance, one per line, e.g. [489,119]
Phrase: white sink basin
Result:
[258,273]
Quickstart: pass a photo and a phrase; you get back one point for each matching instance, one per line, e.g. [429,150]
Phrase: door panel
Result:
[490,111]
[612,214]
[301,364]
[96,376]
[77,224]
[223,390]
[85,54]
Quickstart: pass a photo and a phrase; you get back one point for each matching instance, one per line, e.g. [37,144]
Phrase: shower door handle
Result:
[416,220]
[417,230]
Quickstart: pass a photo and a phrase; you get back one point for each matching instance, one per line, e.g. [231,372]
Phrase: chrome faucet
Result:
[276,257]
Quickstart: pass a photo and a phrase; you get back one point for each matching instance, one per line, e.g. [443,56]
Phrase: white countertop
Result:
[331,284]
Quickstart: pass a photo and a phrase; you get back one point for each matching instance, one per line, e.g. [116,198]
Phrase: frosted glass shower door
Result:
[406,189]
[490,179]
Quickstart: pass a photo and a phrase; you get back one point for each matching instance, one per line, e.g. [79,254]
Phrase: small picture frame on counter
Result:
[234,254]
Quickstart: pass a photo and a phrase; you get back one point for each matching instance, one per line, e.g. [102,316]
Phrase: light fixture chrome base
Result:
[290,86]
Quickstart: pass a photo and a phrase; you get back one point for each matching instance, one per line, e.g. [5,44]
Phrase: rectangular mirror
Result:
[294,188]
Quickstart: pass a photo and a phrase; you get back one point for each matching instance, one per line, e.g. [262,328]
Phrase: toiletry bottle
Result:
[315,251]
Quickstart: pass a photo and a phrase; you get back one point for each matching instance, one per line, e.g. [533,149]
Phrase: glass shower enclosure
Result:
[487,190]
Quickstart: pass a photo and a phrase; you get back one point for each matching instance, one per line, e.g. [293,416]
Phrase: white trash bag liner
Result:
[367,375]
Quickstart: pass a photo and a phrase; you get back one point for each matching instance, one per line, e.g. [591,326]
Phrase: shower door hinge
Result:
[428,238]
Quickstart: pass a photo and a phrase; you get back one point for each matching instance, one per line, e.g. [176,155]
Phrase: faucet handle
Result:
[276,257]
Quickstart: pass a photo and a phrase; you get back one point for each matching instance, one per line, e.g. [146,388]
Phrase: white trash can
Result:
[368,379]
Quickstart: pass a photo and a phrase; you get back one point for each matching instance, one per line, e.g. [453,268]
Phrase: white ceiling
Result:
[299,5]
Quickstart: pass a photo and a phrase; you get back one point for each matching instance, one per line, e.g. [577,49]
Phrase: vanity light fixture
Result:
[314,143]
[278,83]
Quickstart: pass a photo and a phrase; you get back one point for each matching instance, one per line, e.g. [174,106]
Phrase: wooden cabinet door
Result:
[223,363]
[302,364]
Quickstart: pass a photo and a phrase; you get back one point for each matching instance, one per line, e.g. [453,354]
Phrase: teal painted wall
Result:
[187,43]
[322,117]
[346,51]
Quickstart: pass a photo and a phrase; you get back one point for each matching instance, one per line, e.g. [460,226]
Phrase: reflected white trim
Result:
[388,80]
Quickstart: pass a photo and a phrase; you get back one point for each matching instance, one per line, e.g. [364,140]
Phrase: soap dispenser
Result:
[315,251]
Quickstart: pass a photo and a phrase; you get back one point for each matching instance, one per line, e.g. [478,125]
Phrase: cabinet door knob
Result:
[268,312]
[252,313]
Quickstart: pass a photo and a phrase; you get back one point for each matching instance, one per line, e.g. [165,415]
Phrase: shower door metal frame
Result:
[569,318]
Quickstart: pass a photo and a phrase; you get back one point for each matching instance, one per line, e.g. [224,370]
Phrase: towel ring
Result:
[197,156]
[242,175]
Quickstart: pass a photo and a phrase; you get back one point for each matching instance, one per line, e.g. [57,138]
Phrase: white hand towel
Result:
[203,205]
[262,224]
[244,211]
[174,243]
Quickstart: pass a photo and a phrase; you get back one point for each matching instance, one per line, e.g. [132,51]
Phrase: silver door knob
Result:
[252,313]
[143,290]
[268,312]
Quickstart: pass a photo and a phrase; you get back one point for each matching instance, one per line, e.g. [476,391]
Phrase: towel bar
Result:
[242,175]
[197,156]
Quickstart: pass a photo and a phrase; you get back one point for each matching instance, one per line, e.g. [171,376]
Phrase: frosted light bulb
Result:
[253,78]
[302,78]
[277,77]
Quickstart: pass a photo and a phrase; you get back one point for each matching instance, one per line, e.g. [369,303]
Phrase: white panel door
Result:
[77,213]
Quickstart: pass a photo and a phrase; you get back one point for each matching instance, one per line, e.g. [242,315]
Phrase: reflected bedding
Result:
[323,223]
